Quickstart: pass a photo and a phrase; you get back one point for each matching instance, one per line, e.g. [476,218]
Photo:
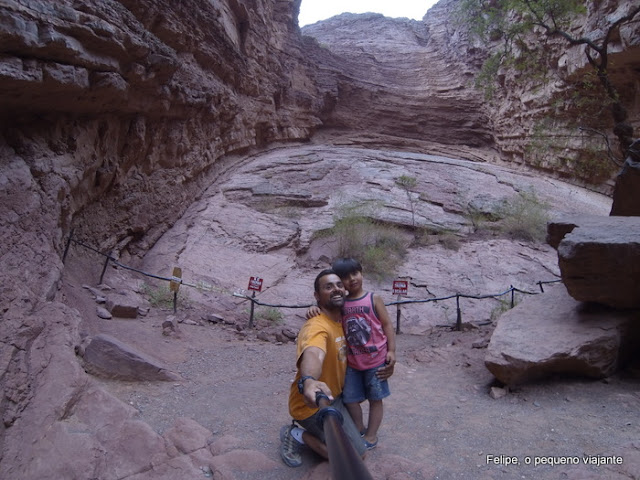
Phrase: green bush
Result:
[525,216]
[269,314]
[380,248]
[162,297]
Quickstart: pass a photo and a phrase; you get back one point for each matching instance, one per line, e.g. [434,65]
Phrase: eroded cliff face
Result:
[411,84]
[129,104]
[114,116]
[404,83]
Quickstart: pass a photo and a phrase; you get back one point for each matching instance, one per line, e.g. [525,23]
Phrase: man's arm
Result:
[311,362]
[381,310]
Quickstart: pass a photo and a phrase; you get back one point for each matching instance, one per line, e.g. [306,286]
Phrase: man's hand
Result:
[386,370]
[311,387]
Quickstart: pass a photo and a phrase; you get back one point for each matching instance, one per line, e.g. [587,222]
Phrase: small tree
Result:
[408,184]
[511,20]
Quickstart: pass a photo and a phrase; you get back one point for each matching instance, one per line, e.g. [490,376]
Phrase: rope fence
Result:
[176,280]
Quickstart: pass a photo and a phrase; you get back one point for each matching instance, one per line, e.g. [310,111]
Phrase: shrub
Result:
[379,247]
[162,297]
[524,216]
[270,314]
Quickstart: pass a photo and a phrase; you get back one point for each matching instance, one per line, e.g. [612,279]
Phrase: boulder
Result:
[108,357]
[626,194]
[123,305]
[599,258]
[552,333]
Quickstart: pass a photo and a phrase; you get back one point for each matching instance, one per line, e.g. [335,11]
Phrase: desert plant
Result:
[270,314]
[525,216]
[408,184]
[162,297]
[379,247]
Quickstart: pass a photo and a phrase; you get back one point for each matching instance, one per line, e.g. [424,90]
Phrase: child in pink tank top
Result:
[371,343]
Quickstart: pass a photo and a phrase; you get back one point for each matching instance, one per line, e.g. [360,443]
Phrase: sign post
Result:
[255,285]
[400,288]
[174,286]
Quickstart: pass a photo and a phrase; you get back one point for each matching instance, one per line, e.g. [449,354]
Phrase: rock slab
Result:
[599,259]
[107,356]
[552,333]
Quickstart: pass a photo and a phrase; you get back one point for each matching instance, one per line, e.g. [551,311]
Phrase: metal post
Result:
[398,317]
[252,308]
[459,319]
[512,296]
[104,268]
[540,285]
[175,302]
[66,248]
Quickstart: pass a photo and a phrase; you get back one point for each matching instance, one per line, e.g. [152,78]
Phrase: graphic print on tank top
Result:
[358,330]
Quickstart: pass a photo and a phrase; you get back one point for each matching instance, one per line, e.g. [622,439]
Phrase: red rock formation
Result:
[402,83]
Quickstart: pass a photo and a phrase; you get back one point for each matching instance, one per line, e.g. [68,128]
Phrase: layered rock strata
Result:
[402,83]
[115,116]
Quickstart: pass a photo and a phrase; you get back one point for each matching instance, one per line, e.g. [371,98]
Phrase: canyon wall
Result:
[404,84]
[114,116]
[411,84]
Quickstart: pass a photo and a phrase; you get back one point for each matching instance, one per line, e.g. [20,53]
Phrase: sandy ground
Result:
[440,421]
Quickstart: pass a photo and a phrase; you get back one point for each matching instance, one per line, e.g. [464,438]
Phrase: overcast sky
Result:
[312,11]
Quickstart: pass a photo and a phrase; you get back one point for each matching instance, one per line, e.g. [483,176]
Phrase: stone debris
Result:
[497,392]
[109,357]
[103,313]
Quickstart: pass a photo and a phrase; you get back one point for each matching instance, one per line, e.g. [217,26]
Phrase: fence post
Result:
[540,285]
[459,317]
[398,317]
[252,308]
[512,296]
[104,268]
[66,248]
[174,286]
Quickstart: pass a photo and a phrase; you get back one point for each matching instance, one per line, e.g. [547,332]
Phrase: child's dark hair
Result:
[344,266]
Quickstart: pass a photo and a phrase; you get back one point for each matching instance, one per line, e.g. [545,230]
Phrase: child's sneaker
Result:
[289,447]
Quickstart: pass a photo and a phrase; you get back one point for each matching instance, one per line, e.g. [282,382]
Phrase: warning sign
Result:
[176,279]
[255,284]
[400,287]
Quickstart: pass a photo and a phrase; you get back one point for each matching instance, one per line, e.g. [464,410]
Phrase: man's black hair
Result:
[316,284]
[344,266]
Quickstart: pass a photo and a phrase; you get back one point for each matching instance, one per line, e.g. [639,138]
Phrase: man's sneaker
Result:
[289,447]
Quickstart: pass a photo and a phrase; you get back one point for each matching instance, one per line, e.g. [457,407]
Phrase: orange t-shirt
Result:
[322,332]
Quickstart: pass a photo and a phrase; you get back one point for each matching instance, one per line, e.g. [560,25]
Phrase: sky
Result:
[312,11]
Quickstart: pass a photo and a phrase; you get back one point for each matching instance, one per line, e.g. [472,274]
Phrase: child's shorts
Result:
[364,384]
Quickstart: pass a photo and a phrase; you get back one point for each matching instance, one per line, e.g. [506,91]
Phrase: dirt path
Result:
[440,421]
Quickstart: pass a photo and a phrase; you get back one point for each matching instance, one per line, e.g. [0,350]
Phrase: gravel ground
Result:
[440,421]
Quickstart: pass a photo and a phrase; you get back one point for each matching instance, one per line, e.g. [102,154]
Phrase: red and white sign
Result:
[255,284]
[400,287]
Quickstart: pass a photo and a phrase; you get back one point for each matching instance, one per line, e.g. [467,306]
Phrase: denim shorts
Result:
[360,385]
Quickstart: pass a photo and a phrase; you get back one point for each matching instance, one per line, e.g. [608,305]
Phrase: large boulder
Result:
[626,194]
[107,356]
[552,333]
[599,258]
